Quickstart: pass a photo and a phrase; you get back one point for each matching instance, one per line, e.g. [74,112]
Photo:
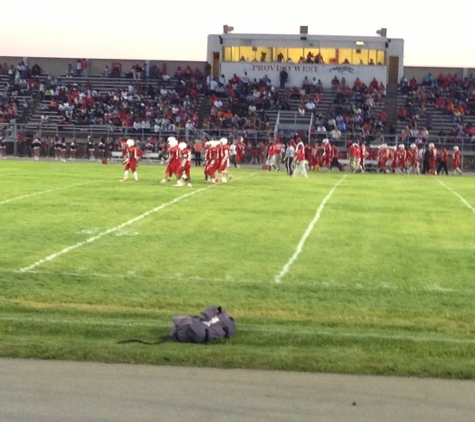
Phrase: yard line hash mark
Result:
[300,245]
[112,230]
[40,193]
[457,195]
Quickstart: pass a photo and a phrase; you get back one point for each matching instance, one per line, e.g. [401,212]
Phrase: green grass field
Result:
[347,273]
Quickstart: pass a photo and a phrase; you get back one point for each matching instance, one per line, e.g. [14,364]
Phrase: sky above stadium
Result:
[439,36]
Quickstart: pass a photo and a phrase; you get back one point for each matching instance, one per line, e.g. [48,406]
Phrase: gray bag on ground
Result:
[211,324]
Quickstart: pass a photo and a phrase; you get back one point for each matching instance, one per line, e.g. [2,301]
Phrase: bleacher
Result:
[439,123]
[102,86]
[436,121]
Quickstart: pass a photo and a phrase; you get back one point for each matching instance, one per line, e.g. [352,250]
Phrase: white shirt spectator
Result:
[321,129]
[310,106]
[213,85]
[335,134]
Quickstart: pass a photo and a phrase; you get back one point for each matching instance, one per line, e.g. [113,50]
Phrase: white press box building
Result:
[304,55]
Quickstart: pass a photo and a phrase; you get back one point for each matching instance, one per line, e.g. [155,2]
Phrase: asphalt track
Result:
[56,391]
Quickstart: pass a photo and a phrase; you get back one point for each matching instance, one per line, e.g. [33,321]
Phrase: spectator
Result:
[78,67]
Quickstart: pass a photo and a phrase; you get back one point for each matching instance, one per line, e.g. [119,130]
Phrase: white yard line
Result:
[300,245]
[114,229]
[106,232]
[17,198]
[457,195]
[252,329]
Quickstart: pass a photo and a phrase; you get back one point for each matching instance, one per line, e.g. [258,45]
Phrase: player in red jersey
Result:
[240,149]
[383,157]
[354,158]
[130,161]
[313,157]
[327,153]
[278,153]
[213,161]
[392,157]
[207,160]
[433,159]
[300,161]
[401,159]
[413,160]
[335,155]
[456,161]
[363,154]
[173,161]
[223,158]
[271,157]
[184,173]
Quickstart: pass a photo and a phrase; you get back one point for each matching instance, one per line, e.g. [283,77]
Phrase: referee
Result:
[289,157]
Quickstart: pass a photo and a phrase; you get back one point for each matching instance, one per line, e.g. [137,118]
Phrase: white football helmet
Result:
[325,141]
[413,146]
[172,141]
[431,145]
[401,146]
[223,141]
[456,148]
[130,143]
[182,146]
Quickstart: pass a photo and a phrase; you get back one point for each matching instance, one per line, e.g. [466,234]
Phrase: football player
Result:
[173,161]
[456,161]
[184,173]
[130,161]
[413,159]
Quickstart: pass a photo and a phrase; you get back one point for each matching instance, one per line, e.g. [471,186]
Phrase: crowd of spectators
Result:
[446,95]
[241,104]
[161,104]
[357,111]
[155,101]
[20,85]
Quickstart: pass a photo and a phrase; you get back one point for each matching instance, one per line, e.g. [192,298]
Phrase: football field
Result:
[348,273]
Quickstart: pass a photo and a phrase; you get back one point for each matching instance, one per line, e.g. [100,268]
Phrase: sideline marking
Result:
[328,285]
[39,193]
[114,229]
[457,195]
[307,233]
[250,328]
